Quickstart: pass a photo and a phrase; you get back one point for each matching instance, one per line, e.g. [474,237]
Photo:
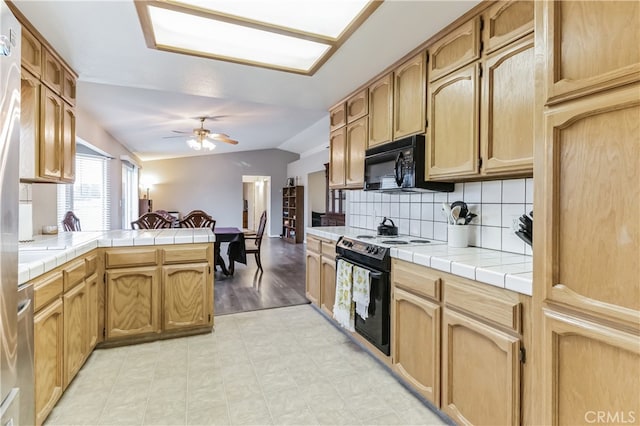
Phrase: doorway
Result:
[256,195]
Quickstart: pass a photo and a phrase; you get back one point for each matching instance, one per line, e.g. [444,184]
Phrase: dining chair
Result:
[71,222]
[151,221]
[254,246]
[198,219]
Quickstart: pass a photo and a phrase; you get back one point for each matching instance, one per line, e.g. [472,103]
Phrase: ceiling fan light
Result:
[193,144]
[208,145]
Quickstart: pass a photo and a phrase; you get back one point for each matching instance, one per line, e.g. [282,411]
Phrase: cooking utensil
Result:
[464,209]
[469,217]
[446,209]
[387,230]
[455,214]
[524,237]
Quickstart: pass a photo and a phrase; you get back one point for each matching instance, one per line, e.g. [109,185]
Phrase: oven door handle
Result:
[371,272]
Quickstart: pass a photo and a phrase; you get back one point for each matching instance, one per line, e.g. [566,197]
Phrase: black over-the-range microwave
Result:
[399,166]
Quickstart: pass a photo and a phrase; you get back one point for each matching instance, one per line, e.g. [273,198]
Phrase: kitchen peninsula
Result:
[112,288]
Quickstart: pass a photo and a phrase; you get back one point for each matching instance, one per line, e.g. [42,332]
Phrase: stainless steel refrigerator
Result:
[9,146]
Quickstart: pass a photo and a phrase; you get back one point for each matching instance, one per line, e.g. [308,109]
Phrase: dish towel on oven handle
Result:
[343,309]
[361,290]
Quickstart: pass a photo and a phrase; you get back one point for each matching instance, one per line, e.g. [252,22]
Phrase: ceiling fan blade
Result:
[172,137]
[227,140]
[182,132]
[210,117]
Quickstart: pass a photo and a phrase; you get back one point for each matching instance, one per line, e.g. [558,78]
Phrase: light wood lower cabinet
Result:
[313,277]
[76,330]
[480,372]
[133,302]
[327,283]
[48,356]
[94,330]
[187,293]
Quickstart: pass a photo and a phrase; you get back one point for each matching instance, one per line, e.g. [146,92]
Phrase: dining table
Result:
[236,250]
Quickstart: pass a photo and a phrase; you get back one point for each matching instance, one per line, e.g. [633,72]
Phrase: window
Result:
[129,193]
[89,196]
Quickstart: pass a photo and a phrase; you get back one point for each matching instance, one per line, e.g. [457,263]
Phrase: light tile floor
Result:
[286,366]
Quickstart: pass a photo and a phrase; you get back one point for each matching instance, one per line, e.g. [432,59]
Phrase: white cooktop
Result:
[393,241]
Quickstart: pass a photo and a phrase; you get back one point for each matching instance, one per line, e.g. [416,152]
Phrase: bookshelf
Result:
[293,214]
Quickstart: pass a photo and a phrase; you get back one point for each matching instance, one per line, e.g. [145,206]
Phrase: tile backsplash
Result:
[497,203]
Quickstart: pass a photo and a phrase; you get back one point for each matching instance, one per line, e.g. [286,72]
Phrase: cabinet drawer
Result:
[51,71]
[185,254]
[130,257]
[47,289]
[358,106]
[314,245]
[91,264]
[416,279]
[492,304]
[74,273]
[329,250]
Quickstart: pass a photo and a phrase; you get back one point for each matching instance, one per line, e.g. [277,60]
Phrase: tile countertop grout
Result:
[502,269]
[47,252]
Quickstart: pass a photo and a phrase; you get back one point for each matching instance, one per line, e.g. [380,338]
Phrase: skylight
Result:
[290,35]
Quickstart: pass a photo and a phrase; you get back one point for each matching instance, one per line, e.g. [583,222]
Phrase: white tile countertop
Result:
[46,252]
[497,268]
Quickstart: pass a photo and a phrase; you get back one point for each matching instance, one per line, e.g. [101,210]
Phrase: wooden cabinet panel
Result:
[337,116]
[592,159]
[380,111]
[51,71]
[416,279]
[329,250]
[312,281]
[68,144]
[356,146]
[314,244]
[453,136]
[48,361]
[589,368]
[187,296]
[409,97]
[130,257]
[31,52]
[186,254]
[75,304]
[327,284]
[585,51]
[508,110]
[91,264]
[358,105]
[480,372]
[458,48]
[94,287]
[51,112]
[74,273]
[30,89]
[416,346]
[506,21]
[337,148]
[46,289]
[68,91]
[133,300]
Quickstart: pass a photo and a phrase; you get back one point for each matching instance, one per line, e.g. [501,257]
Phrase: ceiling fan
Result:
[201,137]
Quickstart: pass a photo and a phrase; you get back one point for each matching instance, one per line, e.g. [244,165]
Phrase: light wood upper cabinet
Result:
[337,147]
[68,90]
[187,296]
[416,346]
[507,111]
[506,21]
[76,331]
[380,111]
[68,144]
[30,88]
[358,105]
[133,300]
[52,71]
[51,122]
[409,97]
[591,46]
[455,50]
[480,372]
[355,150]
[337,116]
[48,361]
[453,133]
[31,53]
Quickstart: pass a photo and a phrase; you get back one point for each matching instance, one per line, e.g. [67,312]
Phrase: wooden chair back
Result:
[164,214]
[71,222]
[198,219]
[151,221]
[261,227]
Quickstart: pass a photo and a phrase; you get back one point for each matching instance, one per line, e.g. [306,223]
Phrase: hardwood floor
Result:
[281,283]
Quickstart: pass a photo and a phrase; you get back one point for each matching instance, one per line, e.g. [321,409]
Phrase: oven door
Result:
[376,328]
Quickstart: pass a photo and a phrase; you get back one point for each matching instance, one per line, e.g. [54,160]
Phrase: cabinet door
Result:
[31,53]
[589,369]
[592,45]
[409,97]
[51,111]
[30,89]
[507,21]
[93,289]
[313,277]
[187,296]
[327,284]
[48,341]
[453,136]
[68,87]
[381,111]
[507,111]
[52,73]
[480,372]
[416,343]
[337,117]
[68,144]
[133,300]
[75,330]
[456,49]
[356,146]
[358,105]
[337,161]
[592,158]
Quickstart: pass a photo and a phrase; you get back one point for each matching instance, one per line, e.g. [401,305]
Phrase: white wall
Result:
[213,183]
[317,188]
